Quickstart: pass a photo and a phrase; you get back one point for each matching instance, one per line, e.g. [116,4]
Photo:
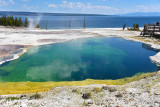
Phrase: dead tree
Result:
[47,25]
[84,26]
[124,26]
[70,23]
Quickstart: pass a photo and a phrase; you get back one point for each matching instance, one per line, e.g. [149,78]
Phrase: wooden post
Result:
[47,25]
[153,30]
[84,26]
[124,26]
[70,23]
[65,24]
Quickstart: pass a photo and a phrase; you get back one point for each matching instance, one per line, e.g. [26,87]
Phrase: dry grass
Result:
[147,39]
[33,87]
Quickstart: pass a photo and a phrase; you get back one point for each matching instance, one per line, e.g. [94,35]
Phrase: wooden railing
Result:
[150,29]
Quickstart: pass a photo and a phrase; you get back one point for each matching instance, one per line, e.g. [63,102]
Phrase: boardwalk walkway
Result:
[151,30]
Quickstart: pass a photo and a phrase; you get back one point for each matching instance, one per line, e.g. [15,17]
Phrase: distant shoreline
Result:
[47,14]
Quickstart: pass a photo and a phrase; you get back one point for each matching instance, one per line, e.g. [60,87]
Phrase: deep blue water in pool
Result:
[91,58]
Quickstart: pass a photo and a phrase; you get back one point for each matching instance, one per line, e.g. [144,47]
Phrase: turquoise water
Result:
[91,58]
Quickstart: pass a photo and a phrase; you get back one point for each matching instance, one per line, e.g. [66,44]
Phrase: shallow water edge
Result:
[13,55]
[33,87]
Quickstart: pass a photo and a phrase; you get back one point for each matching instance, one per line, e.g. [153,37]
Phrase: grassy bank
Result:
[33,87]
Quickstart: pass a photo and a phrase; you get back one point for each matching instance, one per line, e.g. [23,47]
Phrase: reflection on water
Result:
[147,46]
[92,58]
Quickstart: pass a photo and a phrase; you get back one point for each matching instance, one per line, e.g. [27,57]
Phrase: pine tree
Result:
[16,22]
[37,25]
[5,21]
[0,20]
[10,23]
[134,26]
[137,26]
[26,23]
[13,21]
[20,22]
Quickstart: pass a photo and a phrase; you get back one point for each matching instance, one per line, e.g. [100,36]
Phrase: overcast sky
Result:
[81,6]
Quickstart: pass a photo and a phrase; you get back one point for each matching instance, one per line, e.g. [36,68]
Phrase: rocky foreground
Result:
[143,93]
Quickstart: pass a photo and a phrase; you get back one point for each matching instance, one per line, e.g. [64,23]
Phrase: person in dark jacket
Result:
[157,23]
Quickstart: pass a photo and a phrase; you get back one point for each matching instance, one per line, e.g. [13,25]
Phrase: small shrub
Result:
[23,96]
[137,26]
[86,95]
[110,89]
[134,28]
[119,95]
[96,90]
[15,103]
[35,96]
[85,104]
[12,98]
[37,25]
[75,91]
[105,87]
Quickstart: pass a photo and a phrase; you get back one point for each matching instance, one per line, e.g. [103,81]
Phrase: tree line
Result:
[13,21]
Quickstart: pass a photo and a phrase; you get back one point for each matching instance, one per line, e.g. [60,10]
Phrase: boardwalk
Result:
[151,30]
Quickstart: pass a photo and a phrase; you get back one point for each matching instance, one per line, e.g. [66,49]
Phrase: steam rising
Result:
[33,22]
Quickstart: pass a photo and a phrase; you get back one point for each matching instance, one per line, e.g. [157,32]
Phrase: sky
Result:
[107,7]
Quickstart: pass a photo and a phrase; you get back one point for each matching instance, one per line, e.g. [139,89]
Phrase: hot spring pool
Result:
[91,58]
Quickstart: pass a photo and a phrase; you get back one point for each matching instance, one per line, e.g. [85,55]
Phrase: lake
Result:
[90,58]
[77,22]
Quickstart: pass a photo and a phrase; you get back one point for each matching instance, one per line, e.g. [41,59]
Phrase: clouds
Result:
[6,2]
[52,5]
[3,3]
[148,8]
[101,0]
[82,7]
[142,8]
[27,7]
[66,4]
[11,1]
[108,7]
[25,0]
